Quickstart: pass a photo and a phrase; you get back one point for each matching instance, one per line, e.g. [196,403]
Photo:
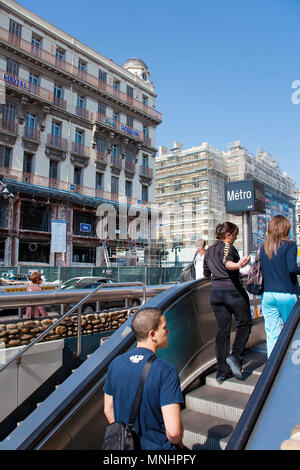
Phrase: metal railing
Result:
[78,306]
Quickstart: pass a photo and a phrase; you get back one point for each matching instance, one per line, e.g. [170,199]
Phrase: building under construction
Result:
[190,190]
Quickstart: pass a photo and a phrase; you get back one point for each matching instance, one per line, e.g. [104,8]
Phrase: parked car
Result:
[91,283]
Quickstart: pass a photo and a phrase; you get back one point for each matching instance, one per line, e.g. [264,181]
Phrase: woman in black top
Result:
[227,298]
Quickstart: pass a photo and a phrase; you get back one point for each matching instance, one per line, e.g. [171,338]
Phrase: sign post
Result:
[245,198]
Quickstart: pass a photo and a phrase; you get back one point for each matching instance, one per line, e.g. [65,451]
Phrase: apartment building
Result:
[190,191]
[76,131]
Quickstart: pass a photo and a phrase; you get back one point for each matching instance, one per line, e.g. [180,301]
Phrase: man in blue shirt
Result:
[159,421]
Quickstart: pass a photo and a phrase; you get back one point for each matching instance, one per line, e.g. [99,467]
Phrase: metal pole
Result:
[246,233]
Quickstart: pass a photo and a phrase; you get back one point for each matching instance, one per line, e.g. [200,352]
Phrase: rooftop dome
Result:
[138,68]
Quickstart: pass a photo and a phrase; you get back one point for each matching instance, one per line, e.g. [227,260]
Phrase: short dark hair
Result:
[144,321]
[226,227]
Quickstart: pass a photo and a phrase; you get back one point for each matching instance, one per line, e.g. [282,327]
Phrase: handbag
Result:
[120,436]
[189,272]
[255,278]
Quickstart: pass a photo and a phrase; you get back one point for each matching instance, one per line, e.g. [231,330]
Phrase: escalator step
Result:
[217,402]
[234,384]
[204,432]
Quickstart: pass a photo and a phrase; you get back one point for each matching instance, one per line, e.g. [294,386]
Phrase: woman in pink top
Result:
[36,279]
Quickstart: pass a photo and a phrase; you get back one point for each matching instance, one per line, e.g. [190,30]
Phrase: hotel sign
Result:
[14,80]
[245,196]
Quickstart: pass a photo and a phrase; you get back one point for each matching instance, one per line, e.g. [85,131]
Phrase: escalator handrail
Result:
[254,406]
[42,421]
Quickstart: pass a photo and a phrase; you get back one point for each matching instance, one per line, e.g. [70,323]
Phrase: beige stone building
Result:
[76,130]
[190,190]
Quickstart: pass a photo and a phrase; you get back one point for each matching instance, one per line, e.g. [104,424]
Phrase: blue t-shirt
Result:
[280,272]
[161,388]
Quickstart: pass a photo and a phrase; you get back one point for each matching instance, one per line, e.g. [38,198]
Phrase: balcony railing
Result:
[71,69]
[129,166]
[80,149]
[32,134]
[116,162]
[101,156]
[34,179]
[82,112]
[9,125]
[59,102]
[57,141]
[146,171]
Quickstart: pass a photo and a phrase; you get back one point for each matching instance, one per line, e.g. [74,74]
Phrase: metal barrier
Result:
[78,306]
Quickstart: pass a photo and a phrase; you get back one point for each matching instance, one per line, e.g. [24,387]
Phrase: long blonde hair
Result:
[278,231]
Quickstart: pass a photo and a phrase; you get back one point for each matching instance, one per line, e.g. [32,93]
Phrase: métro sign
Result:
[245,196]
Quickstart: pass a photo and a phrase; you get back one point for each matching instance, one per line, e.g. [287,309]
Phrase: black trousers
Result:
[225,303]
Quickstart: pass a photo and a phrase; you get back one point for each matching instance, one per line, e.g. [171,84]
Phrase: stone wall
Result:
[22,332]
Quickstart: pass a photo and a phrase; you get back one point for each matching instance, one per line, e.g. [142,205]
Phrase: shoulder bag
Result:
[120,436]
[189,272]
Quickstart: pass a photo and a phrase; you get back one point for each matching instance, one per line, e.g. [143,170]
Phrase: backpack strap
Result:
[139,394]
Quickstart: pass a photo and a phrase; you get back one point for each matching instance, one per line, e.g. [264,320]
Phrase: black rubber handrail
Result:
[242,432]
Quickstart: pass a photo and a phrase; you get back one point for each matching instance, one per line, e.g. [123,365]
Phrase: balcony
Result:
[101,160]
[129,168]
[61,64]
[146,172]
[9,125]
[116,165]
[31,139]
[57,141]
[80,154]
[32,134]
[82,112]
[59,102]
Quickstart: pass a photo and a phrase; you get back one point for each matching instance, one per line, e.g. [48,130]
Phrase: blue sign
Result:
[85,227]
[72,186]
[14,80]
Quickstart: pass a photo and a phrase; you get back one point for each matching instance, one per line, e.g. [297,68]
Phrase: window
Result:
[145,100]
[15,28]
[56,128]
[115,150]
[77,175]
[5,156]
[79,136]
[177,185]
[129,153]
[60,55]
[28,163]
[101,108]
[58,95]
[116,116]
[129,91]
[129,121]
[102,76]
[99,181]
[34,82]
[114,185]
[9,112]
[144,193]
[53,169]
[3,213]
[128,188]
[101,143]
[116,85]
[145,161]
[31,120]
[86,218]
[34,251]
[82,68]
[84,255]
[36,45]
[35,216]
[12,67]
[81,101]
[146,131]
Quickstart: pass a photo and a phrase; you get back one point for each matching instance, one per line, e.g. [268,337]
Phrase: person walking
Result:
[199,258]
[278,257]
[158,423]
[36,280]
[228,297]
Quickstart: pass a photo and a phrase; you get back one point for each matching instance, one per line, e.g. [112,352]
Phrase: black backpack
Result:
[120,436]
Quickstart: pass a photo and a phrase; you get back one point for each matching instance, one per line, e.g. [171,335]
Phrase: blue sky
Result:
[223,69]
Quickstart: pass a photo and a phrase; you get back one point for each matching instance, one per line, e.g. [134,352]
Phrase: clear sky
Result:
[223,69]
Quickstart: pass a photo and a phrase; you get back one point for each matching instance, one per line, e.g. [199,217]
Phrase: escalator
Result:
[72,418]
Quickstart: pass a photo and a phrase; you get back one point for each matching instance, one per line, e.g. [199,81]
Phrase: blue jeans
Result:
[276,307]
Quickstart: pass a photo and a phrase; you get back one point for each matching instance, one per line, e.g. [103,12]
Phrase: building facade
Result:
[76,131]
[190,190]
